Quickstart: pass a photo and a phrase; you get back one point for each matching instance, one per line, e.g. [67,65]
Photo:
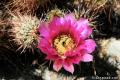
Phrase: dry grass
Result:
[26,6]
[89,8]
[1,22]
[2,28]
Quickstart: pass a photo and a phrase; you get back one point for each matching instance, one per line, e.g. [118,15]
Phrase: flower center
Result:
[63,43]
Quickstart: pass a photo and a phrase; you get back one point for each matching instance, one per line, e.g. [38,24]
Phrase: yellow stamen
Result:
[63,43]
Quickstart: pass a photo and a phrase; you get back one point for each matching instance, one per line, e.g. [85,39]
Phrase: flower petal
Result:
[79,52]
[81,23]
[73,57]
[78,30]
[82,27]
[56,23]
[68,22]
[44,30]
[57,26]
[86,32]
[87,58]
[42,45]
[89,45]
[70,18]
[52,57]
[77,59]
[46,47]
[70,54]
[68,67]
[57,65]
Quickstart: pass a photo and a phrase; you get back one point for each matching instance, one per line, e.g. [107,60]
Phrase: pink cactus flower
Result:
[65,41]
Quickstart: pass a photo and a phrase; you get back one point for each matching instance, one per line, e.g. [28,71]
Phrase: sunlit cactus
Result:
[109,49]
[24,29]
[54,12]
[116,6]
